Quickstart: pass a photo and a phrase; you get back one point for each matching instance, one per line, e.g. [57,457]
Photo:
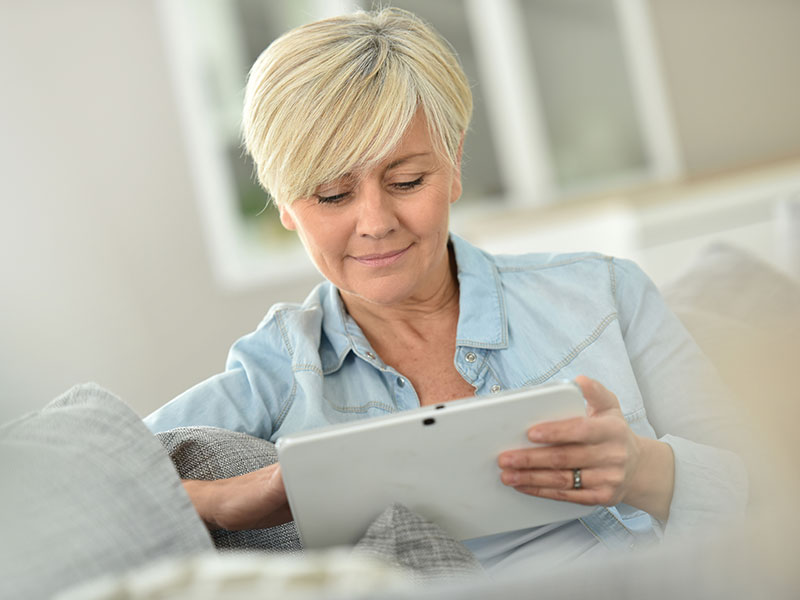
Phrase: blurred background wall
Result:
[732,72]
[105,270]
[105,273]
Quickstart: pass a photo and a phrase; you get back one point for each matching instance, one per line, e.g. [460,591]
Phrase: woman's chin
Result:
[409,280]
[378,298]
[384,291]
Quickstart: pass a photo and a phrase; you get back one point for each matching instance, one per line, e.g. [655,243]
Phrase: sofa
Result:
[93,507]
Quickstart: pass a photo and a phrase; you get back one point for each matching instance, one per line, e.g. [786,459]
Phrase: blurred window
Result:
[585,92]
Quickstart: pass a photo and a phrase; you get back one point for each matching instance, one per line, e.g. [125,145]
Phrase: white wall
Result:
[103,270]
[733,75]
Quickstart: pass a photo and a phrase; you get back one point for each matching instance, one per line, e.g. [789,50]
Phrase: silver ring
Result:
[576,479]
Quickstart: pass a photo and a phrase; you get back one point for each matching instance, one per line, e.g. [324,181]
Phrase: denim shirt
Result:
[523,320]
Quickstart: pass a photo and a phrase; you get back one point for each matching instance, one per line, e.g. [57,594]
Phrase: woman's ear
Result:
[287,220]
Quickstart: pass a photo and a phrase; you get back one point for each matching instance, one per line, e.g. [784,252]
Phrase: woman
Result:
[356,126]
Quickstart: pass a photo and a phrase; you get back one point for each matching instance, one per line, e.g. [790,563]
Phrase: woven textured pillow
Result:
[208,453]
[403,538]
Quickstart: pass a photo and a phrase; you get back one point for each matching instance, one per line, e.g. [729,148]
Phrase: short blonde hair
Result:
[335,96]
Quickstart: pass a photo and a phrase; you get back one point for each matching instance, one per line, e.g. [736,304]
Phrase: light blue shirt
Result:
[523,320]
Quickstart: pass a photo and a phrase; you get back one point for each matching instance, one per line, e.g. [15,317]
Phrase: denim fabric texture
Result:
[524,320]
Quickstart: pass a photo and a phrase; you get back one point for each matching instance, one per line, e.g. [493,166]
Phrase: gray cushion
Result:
[87,490]
[211,453]
[403,538]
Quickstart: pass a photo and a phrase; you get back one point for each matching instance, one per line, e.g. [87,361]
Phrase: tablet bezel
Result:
[439,460]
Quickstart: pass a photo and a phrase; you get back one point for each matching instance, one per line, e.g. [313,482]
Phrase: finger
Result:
[598,398]
[558,479]
[578,430]
[566,456]
[598,485]
[589,497]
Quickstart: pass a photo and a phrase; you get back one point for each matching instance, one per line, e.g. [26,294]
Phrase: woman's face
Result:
[381,236]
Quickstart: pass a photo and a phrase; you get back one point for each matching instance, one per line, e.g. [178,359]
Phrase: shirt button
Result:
[370,355]
[470,357]
[496,388]
[401,382]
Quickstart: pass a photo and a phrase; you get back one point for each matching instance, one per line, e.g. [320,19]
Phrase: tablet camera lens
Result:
[429,421]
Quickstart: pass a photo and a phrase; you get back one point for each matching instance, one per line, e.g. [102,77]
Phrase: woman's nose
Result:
[376,216]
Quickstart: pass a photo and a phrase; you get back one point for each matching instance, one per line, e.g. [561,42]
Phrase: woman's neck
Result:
[421,317]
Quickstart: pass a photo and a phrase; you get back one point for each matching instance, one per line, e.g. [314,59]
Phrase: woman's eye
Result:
[408,185]
[332,199]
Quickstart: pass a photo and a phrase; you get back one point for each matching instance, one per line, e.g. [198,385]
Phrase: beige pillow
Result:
[745,315]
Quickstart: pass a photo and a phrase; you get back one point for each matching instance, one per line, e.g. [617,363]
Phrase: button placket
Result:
[404,393]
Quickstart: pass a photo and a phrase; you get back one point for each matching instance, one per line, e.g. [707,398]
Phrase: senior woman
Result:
[356,126]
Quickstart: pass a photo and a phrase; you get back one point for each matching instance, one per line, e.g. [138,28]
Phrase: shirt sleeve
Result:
[246,397]
[686,404]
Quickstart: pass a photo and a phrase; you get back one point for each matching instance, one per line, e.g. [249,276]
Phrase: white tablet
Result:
[440,461]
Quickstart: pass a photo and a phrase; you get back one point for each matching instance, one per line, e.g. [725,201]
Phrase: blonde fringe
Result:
[335,96]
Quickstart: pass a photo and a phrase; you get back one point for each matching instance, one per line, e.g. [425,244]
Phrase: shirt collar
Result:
[338,328]
[482,320]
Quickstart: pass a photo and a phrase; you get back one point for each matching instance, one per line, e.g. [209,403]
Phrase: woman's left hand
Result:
[615,464]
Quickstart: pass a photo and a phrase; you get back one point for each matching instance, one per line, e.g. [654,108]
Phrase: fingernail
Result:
[505,461]
[535,435]
[509,477]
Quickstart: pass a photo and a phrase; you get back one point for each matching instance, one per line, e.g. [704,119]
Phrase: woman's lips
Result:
[382,260]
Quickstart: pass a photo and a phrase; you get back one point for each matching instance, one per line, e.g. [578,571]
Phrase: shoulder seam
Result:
[284,334]
[612,273]
[560,263]
[277,315]
[286,406]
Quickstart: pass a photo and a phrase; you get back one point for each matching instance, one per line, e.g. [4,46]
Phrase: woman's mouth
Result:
[383,259]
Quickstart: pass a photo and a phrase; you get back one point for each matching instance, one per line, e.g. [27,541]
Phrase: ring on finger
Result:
[576,479]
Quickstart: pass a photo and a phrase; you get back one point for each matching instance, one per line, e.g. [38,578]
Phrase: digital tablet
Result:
[440,461]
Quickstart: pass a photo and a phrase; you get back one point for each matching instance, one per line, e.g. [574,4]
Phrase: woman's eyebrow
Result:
[403,159]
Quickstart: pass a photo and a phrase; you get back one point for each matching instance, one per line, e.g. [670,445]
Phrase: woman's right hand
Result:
[252,501]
